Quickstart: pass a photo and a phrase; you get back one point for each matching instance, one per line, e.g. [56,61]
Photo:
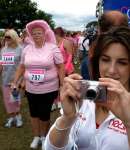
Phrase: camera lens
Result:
[91,94]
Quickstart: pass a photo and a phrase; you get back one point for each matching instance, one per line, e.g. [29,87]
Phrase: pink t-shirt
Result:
[40,68]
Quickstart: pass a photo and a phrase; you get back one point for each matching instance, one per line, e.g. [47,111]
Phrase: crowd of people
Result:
[41,61]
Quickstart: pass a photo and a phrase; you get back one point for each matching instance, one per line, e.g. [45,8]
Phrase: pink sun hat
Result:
[49,34]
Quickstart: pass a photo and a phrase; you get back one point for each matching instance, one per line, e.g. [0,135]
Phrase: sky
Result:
[70,14]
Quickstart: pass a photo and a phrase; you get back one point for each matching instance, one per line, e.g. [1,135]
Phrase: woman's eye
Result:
[123,62]
[105,59]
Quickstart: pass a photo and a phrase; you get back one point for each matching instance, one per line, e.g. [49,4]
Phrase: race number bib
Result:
[36,75]
[8,59]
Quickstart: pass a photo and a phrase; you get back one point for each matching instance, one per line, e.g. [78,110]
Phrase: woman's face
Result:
[8,39]
[38,34]
[114,63]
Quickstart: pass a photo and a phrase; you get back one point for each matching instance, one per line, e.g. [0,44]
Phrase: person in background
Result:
[80,47]
[84,61]
[110,19]
[24,38]
[43,69]
[104,122]
[106,21]
[68,36]
[66,48]
[75,43]
[9,60]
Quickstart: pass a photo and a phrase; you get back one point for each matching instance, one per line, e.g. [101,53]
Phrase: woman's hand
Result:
[13,86]
[118,99]
[70,94]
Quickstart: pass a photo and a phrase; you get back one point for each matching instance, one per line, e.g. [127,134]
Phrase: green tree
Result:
[17,13]
[45,16]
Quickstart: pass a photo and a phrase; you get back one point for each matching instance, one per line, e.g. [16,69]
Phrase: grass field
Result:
[17,138]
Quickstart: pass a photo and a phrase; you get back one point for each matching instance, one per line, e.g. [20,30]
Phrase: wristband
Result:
[58,128]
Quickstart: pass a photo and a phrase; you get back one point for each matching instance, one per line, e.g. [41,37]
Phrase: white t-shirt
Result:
[86,43]
[111,134]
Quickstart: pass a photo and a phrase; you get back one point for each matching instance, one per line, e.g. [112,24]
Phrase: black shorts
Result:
[40,104]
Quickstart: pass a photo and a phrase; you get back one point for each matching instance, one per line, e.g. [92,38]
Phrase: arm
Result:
[68,46]
[61,73]
[19,72]
[60,138]
[22,84]
[1,68]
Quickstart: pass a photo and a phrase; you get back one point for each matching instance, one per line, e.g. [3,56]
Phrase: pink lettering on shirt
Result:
[117,125]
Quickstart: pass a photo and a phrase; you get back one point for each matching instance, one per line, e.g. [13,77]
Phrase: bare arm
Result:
[61,73]
[1,68]
[60,138]
[68,46]
[19,72]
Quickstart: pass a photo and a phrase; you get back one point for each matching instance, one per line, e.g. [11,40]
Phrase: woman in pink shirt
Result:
[43,69]
[66,47]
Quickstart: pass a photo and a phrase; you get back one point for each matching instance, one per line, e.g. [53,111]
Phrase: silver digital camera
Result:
[91,90]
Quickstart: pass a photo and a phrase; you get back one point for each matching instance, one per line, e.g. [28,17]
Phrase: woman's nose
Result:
[112,68]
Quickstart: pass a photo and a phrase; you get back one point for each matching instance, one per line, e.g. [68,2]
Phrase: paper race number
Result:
[37,75]
[8,59]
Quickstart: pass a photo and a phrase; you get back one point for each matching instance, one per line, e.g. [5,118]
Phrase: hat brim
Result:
[37,23]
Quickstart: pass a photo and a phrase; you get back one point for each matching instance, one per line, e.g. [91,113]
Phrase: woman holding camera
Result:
[97,126]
